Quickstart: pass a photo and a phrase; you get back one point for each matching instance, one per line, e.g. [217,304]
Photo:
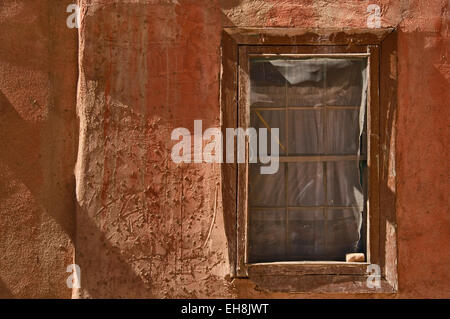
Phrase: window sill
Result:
[315,277]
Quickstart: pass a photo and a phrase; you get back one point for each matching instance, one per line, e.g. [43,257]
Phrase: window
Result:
[313,208]
[291,231]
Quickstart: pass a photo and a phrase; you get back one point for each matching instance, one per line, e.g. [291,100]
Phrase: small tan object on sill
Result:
[355,257]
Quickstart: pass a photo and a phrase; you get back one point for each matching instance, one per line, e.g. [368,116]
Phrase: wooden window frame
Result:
[244,111]
[326,277]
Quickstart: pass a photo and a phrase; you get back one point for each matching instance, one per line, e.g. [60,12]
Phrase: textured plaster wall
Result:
[38,146]
[422,151]
[146,227]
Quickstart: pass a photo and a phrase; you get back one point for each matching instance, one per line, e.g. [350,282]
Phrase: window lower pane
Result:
[267,235]
[306,234]
[343,232]
[326,234]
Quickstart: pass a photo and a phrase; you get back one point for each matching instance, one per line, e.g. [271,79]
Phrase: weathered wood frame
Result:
[313,276]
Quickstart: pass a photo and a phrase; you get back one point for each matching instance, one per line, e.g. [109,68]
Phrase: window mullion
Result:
[286,168]
[324,145]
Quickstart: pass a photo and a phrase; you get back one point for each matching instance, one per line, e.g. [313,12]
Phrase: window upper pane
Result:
[306,82]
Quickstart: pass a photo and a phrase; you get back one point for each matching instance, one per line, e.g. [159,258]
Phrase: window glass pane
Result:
[267,84]
[343,232]
[266,189]
[269,120]
[320,110]
[344,82]
[267,235]
[305,129]
[323,235]
[305,184]
[343,184]
[306,82]
[306,234]
[342,132]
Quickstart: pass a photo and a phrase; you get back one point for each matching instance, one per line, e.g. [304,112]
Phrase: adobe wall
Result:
[146,227]
[38,147]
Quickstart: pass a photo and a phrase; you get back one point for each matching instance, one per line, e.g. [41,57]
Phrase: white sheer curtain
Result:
[309,210]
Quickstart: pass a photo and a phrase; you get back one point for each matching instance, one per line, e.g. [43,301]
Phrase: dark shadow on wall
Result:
[227,5]
[41,54]
[105,271]
[23,152]
[43,154]
[24,40]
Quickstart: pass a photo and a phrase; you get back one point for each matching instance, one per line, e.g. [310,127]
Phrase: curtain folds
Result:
[310,209]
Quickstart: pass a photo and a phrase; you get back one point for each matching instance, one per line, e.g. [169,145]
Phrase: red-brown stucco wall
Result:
[38,146]
[145,226]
